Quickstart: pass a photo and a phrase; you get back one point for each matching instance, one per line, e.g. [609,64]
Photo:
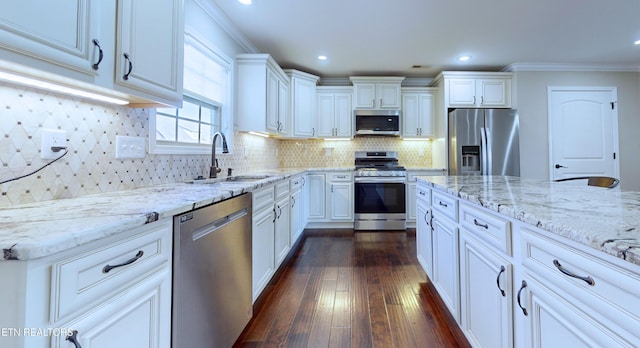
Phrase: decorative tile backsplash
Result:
[336,153]
[91,167]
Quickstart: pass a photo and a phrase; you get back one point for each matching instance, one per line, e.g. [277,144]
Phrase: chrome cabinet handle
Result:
[524,310]
[485,226]
[108,268]
[502,270]
[481,100]
[96,65]
[422,193]
[474,99]
[127,59]
[73,338]
[586,279]
[442,204]
[293,201]
[274,215]
[279,212]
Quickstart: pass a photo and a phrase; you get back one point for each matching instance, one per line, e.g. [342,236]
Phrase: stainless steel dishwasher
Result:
[212,274]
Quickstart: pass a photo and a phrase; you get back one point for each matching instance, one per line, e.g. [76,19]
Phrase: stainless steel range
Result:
[379,191]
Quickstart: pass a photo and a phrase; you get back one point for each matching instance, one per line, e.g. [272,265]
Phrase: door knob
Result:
[559,166]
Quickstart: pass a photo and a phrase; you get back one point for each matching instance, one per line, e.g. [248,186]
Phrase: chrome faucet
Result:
[213,172]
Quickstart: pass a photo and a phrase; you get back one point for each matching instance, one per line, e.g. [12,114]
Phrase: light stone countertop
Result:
[604,219]
[34,230]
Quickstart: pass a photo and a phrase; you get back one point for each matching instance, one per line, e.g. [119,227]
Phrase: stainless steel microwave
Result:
[377,122]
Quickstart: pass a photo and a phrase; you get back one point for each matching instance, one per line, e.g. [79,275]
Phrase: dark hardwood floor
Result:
[352,289]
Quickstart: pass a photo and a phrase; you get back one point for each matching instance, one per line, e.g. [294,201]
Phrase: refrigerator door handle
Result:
[483,151]
[488,151]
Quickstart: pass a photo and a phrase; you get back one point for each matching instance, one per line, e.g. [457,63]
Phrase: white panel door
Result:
[583,132]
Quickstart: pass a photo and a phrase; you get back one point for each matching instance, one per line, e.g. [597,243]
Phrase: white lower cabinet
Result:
[510,284]
[282,225]
[445,263]
[114,292]
[485,294]
[298,209]
[340,202]
[317,197]
[424,239]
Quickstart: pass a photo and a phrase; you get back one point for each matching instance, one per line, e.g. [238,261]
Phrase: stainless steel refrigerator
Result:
[484,142]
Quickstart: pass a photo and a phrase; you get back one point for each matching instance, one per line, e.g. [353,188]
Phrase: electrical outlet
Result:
[130,147]
[52,138]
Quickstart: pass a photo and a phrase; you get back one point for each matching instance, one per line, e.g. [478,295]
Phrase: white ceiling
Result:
[388,37]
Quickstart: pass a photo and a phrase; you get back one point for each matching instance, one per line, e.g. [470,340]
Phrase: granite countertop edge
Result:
[619,238]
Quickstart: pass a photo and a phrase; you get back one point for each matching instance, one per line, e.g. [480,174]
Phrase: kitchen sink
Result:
[246,178]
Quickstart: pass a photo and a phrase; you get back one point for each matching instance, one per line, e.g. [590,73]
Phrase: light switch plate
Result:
[51,138]
[130,147]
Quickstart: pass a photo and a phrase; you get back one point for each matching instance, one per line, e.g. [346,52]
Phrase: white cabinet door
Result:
[485,294]
[388,95]
[418,109]
[149,47]
[341,201]
[493,92]
[38,33]
[141,317]
[462,92]
[303,104]
[365,95]
[424,241]
[273,87]
[283,106]
[282,233]
[326,114]
[263,241]
[297,215]
[445,262]
[411,201]
[343,120]
[317,196]
[551,321]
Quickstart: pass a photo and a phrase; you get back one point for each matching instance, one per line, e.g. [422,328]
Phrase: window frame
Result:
[225,108]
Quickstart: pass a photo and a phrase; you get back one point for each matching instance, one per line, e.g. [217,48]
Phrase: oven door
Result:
[380,203]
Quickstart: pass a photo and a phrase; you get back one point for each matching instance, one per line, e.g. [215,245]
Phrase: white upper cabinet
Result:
[334,112]
[82,43]
[51,35]
[376,92]
[303,104]
[149,49]
[475,89]
[418,112]
[262,95]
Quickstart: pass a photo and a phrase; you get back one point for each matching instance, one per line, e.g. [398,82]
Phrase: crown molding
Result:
[225,23]
[515,67]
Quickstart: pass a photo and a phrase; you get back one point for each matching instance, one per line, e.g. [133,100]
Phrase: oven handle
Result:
[377,180]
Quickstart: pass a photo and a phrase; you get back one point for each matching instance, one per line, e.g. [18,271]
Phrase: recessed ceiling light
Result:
[322,57]
[464,58]
[245,2]
[637,42]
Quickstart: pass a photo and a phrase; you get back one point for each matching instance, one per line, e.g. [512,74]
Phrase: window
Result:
[206,107]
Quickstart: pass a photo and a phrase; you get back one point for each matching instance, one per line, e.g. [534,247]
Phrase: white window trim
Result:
[226,111]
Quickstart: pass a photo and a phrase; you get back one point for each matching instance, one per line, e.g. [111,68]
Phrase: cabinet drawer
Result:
[445,204]
[490,228]
[83,281]
[262,198]
[606,291]
[282,189]
[296,183]
[423,193]
[341,177]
